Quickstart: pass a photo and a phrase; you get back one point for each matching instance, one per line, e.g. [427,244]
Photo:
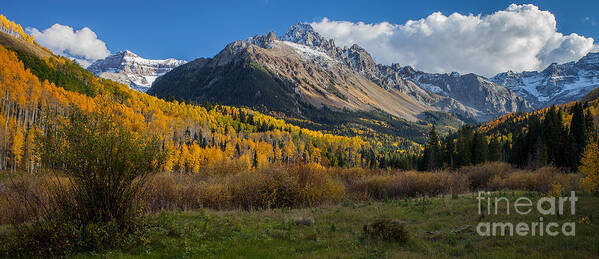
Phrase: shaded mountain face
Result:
[302,71]
[126,67]
[557,84]
[470,95]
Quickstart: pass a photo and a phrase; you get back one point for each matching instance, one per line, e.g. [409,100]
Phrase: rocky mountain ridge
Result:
[470,96]
[311,71]
[300,76]
[128,68]
[558,83]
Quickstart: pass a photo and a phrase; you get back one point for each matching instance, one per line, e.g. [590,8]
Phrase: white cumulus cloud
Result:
[519,38]
[82,45]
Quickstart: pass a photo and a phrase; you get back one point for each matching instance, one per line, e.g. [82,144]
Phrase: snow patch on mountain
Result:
[308,53]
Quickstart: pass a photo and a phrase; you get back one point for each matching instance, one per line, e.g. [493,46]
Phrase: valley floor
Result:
[438,227]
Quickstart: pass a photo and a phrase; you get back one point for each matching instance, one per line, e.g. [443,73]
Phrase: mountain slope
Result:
[284,76]
[12,42]
[309,72]
[470,96]
[557,84]
[193,137]
[126,67]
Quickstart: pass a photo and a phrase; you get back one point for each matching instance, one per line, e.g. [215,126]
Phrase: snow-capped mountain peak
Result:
[303,33]
[129,68]
[558,83]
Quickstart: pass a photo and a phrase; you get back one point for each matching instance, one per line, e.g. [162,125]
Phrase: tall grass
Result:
[26,198]
[409,184]
[266,188]
[291,187]
[540,180]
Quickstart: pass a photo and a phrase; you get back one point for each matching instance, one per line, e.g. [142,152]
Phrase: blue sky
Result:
[191,29]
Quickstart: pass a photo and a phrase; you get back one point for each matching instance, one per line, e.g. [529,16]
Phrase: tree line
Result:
[555,136]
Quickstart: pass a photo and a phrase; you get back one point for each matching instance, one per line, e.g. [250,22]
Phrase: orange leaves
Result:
[589,167]
[194,136]
[16,148]
[14,29]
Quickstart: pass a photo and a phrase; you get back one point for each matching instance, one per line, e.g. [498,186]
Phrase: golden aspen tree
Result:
[278,154]
[195,156]
[290,151]
[245,161]
[170,160]
[229,150]
[17,148]
[184,158]
[589,167]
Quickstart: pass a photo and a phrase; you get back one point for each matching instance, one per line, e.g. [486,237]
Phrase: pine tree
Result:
[464,146]
[591,131]
[432,151]
[538,158]
[480,149]
[449,152]
[494,150]
[255,159]
[578,134]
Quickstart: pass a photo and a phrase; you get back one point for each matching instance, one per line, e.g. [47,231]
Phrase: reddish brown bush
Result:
[26,198]
[264,188]
[479,176]
[409,184]
[540,180]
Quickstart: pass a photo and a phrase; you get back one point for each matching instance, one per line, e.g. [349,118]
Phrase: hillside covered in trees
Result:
[40,89]
[557,135]
[37,91]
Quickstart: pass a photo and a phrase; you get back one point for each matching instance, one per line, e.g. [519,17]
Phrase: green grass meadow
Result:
[438,227]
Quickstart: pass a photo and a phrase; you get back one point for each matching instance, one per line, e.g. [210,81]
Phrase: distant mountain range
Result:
[301,71]
[128,68]
[308,71]
[557,84]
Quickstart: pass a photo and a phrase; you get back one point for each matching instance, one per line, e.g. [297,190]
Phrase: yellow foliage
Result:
[589,167]
[17,146]
[556,190]
[192,136]
[14,29]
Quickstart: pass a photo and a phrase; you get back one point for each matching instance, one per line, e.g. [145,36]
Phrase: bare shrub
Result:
[30,198]
[480,175]
[169,191]
[540,180]
[265,188]
[410,184]
[295,186]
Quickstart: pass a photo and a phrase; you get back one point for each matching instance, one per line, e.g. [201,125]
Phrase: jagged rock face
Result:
[128,68]
[318,73]
[481,98]
[558,83]
[285,76]
[470,96]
